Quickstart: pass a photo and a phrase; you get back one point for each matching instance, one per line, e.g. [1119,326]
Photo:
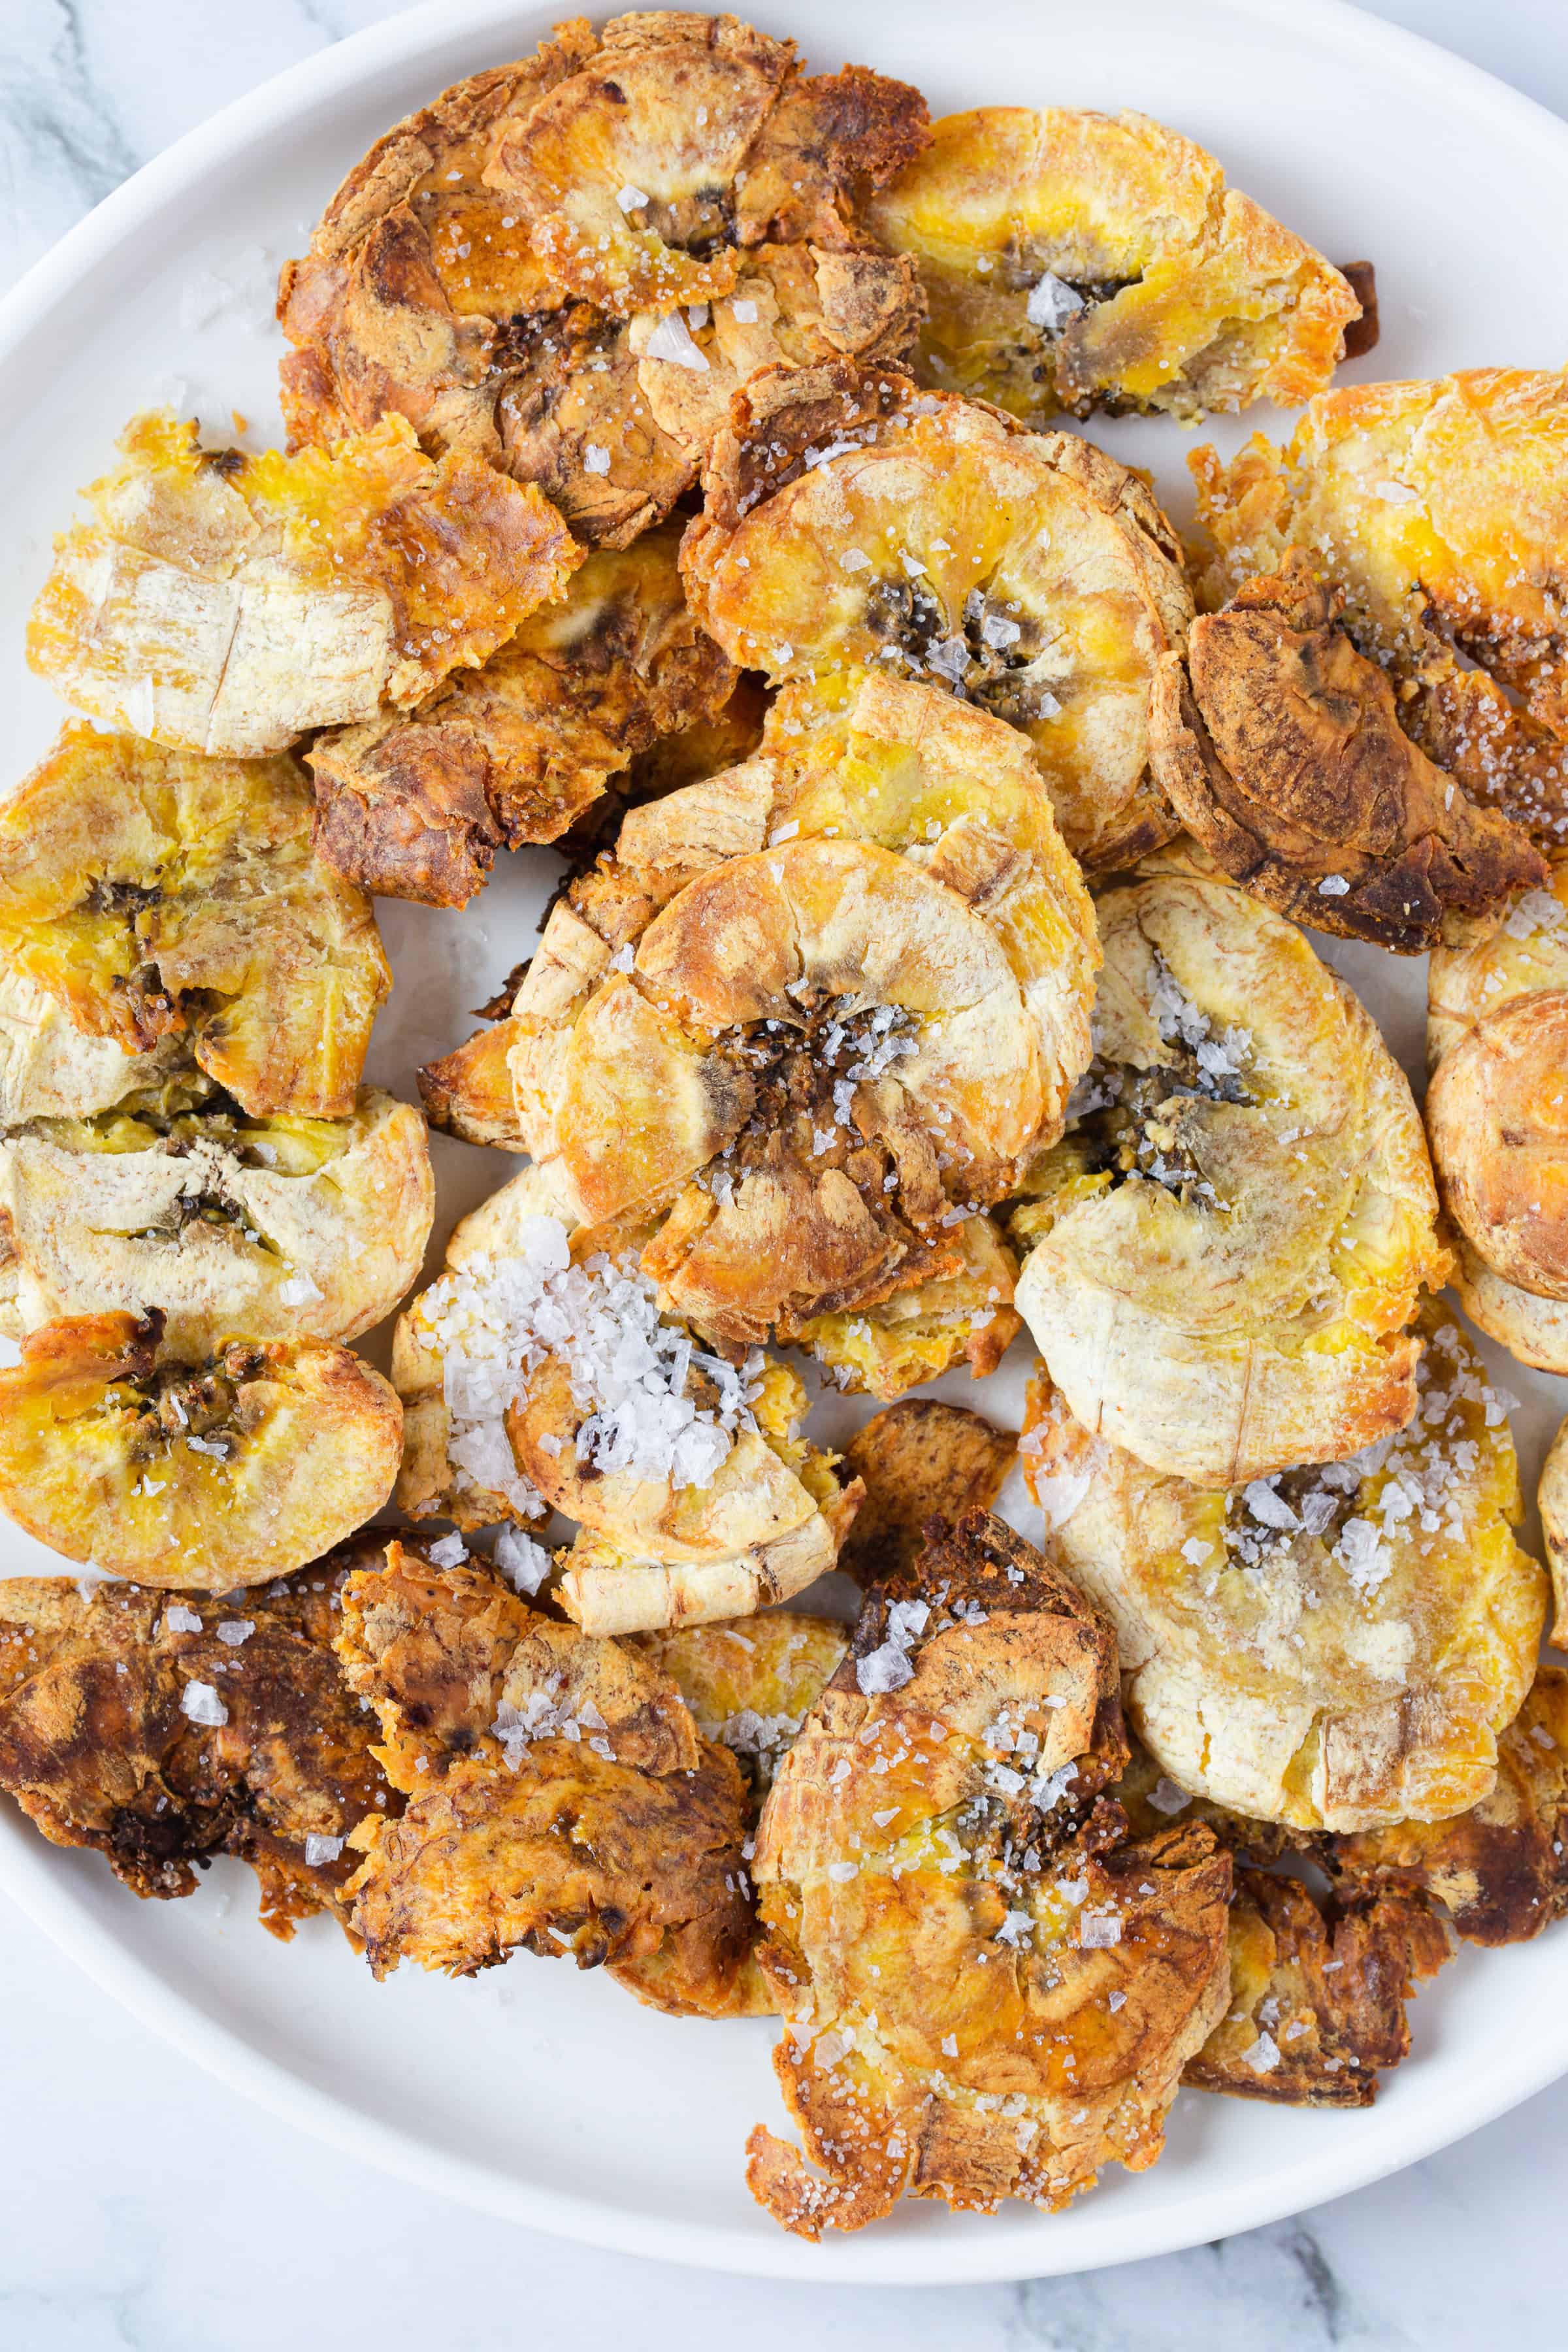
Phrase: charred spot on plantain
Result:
[988,656]
[107,898]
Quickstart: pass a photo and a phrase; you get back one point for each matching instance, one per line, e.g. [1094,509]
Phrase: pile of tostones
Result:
[681,483]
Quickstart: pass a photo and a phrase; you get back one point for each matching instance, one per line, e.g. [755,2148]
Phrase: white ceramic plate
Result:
[533,2092]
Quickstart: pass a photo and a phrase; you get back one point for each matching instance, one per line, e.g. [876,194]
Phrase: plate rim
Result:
[30,1873]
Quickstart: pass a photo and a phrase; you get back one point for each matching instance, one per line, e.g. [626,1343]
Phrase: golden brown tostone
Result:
[566,1803]
[100,1746]
[992,1994]
[1287,761]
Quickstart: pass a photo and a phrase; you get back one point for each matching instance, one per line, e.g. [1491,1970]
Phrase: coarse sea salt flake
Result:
[671,341]
[1052,303]
[1332,886]
[887,1668]
[320,1849]
[523,1562]
[1538,910]
[235,1631]
[595,459]
[201,1702]
[1269,1507]
[1061,1497]
[178,1619]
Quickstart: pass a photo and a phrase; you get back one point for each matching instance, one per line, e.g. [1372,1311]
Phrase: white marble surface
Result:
[143,2209]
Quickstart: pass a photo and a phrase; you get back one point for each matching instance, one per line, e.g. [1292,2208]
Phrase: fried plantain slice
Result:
[851,521]
[1498,1869]
[419,276]
[899,766]
[186,1471]
[919,1460]
[1439,509]
[1287,761]
[559,1796]
[807,1063]
[836,1016]
[160,1734]
[224,603]
[1319,1985]
[173,1200]
[683,138]
[723,740]
[538,1370]
[1080,261]
[51,1069]
[1337,1647]
[751,1684]
[1497,1032]
[990,1992]
[519,750]
[148,893]
[1229,1242]
[964,1316]
[1317,2000]
[790,306]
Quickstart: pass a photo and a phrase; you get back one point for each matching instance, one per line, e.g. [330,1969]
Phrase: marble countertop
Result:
[145,2209]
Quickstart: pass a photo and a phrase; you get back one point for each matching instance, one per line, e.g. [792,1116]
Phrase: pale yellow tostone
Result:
[281,1228]
[1074,261]
[1338,1649]
[224,603]
[1497,1115]
[1225,1259]
[170,905]
[187,1470]
[51,1069]
[940,541]
[648,1552]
